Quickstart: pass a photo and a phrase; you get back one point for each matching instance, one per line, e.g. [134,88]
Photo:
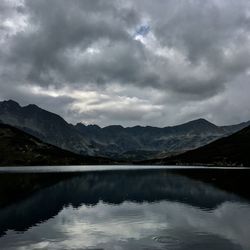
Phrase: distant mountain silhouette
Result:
[115,141]
[20,148]
[45,125]
[233,150]
[140,143]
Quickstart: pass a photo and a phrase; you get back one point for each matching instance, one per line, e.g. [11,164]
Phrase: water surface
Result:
[88,168]
[126,210]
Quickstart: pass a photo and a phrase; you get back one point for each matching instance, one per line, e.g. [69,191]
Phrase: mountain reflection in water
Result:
[127,210]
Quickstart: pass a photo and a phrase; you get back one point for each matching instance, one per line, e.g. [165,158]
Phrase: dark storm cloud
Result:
[210,33]
[190,54]
[60,26]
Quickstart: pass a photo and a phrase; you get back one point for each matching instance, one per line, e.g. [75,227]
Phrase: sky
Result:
[130,62]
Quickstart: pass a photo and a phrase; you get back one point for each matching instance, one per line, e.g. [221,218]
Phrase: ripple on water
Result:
[196,241]
[170,241]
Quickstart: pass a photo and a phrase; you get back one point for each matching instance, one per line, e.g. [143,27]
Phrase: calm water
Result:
[124,210]
[87,168]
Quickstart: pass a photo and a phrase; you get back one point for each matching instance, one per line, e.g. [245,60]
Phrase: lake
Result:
[98,207]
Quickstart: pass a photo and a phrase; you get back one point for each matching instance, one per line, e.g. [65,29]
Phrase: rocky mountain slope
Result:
[18,148]
[233,150]
[45,125]
[139,142]
[131,143]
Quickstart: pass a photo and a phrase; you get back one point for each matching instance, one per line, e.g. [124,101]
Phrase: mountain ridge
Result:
[43,124]
[233,150]
[20,149]
[114,141]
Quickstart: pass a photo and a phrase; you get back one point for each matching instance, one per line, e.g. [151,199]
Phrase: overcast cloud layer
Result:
[128,62]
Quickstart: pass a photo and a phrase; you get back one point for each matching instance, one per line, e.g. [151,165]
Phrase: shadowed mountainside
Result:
[233,150]
[20,148]
[131,143]
[137,143]
[47,126]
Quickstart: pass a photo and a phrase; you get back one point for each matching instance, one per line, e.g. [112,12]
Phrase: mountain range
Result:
[233,150]
[130,143]
[136,143]
[19,149]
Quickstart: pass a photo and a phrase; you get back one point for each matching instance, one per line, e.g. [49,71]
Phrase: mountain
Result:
[19,148]
[233,150]
[45,125]
[138,143]
[115,141]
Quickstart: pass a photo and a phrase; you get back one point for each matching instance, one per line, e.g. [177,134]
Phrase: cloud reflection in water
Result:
[163,223]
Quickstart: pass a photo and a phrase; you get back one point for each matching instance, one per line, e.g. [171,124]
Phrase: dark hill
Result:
[19,148]
[47,126]
[233,150]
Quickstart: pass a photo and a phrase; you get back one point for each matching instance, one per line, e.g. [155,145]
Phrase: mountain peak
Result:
[32,106]
[93,126]
[200,122]
[114,127]
[200,125]
[80,124]
[10,103]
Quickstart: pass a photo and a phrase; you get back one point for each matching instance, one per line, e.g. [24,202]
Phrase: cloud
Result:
[130,225]
[194,57]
